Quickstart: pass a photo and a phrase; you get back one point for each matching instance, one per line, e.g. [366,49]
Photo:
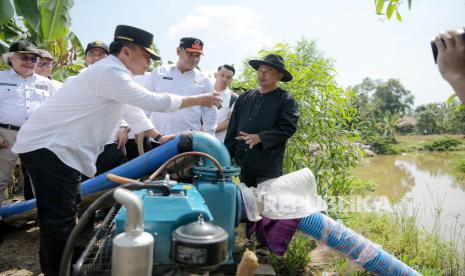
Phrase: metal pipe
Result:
[134,210]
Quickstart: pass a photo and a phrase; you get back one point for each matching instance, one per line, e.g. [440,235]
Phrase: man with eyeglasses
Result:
[45,66]
[21,93]
[183,79]
[223,79]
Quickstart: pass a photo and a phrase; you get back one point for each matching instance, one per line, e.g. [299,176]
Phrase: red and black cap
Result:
[97,44]
[136,36]
[191,44]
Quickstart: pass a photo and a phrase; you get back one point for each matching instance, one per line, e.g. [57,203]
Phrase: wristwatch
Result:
[158,137]
[127,128]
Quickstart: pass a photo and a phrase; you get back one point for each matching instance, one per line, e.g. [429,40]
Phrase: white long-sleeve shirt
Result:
[224,112]
[76,122]
[170,79]
[20,97]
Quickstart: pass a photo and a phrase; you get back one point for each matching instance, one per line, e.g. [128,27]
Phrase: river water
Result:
[423,182]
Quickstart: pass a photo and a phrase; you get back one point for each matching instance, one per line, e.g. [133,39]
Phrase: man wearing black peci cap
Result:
[21,92]
[184,79]
[63,138]
[262,121]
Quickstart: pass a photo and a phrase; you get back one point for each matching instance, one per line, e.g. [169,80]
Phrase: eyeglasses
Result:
[26,58]
[45,64]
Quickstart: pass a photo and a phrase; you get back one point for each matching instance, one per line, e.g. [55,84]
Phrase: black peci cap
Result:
[24,47]
[97,44]
[191,44]
[136,36]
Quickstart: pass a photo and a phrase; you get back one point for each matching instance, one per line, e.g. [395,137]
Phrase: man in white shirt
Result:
[45,66]
[21,93]
[112,155]
[223,78]
[183,79]
[63,138]
[95,51]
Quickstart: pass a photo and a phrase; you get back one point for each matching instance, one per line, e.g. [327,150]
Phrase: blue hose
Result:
[354,246]
[135,168]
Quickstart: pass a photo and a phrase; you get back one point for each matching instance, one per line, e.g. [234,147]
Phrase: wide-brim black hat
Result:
[275,61]
[136,36]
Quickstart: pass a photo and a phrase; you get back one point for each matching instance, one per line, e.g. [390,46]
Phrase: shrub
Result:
[296,258]
[384,146]
[442,144]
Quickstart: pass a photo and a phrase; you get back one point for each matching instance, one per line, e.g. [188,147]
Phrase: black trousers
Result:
[251,178]
[57,193]
[132,151]
[110,158]
[27,187]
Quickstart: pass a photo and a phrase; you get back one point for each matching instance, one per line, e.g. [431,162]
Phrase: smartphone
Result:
[435,48]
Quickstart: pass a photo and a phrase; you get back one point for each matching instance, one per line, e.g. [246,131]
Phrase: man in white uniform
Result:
[45,66]
[21,93]
[64,137]
[223,78]
[183,79]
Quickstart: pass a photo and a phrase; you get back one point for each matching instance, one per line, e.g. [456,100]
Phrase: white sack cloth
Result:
[290,196]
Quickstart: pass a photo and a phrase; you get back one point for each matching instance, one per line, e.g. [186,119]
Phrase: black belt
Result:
[11,127]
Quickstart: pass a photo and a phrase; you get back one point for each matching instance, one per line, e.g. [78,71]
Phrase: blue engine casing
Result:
[213,195]
[163,214]
[223,200]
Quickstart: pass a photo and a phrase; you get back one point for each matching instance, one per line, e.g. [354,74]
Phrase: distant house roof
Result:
[406,121]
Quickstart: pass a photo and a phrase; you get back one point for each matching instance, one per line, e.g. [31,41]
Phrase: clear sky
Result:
[349,32]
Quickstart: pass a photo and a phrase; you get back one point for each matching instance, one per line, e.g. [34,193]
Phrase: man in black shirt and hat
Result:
[261,123]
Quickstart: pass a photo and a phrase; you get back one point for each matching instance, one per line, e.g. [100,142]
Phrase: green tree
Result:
[362,98]
[426,119]
[376,97]
[390,7]
[326,127]
[391,96]
[454,117]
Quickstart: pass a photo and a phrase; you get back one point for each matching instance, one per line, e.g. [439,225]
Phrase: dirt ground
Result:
[19,249]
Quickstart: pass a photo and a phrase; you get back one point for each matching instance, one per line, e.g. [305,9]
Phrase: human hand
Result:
[3,143]
[121,137]
[166,138]
[211,99]
[451,55]
[249,139]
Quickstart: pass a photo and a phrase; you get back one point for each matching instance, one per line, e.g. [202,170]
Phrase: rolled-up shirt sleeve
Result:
[137,119]
[120,86]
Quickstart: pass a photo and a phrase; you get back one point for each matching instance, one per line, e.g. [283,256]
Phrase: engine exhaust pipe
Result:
[133,249]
